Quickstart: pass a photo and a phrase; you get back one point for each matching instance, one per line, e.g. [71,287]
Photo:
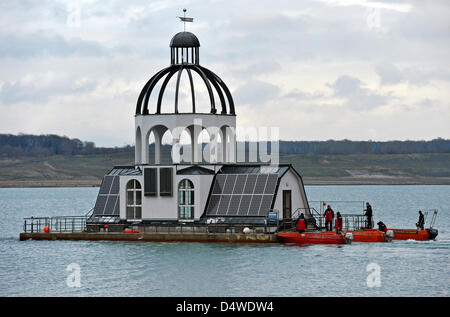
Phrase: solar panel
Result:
[266,204]
[106,185]
[100,205]
[260,184]
[219,184]
[245,203]
[242,195]
[240,183]
[233,208]
[223,205]
[115,186]
[254,205]
[271,185]
[250,184]
[213,204]
[229,184]
[108,197]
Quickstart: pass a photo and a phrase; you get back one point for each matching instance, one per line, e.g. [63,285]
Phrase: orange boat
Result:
[414,234]
[329,237]
[370,235]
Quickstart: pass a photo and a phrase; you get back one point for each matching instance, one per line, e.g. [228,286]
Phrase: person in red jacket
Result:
[338,223]
[329,215]
[301,223]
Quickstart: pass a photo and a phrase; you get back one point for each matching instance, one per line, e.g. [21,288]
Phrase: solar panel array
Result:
[242,194]
[125,171]
[108,197]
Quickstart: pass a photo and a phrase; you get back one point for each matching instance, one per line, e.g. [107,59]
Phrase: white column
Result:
[195,133]
[138,147]
[224,145]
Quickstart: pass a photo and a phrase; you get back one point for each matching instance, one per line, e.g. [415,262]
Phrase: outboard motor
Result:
[432,233]
[348,237]
[389,236]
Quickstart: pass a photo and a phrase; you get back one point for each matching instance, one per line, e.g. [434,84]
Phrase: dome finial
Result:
[185,19]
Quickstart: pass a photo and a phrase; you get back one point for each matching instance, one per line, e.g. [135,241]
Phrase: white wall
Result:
[166,207]
[291,181]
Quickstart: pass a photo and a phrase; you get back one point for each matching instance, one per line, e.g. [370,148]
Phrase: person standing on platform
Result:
[301,223]
[369,215]
[420,224]
[329,216]
[338,223]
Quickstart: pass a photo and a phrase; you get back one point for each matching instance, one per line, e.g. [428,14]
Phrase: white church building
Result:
[192,188]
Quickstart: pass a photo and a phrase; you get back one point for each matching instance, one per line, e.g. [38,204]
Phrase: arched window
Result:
[186,200]
[134,200]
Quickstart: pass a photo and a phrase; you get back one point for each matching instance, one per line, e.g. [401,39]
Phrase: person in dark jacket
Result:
[301,223]
[382,227]
[338,223]
[329,216]
[420,224]
[369,215]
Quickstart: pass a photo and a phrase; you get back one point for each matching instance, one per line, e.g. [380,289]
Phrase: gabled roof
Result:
[195,170]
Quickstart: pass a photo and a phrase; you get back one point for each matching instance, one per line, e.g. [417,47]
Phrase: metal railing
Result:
[350,222]
[55,224]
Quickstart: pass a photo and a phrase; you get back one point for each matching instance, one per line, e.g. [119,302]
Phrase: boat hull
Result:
[413,234]
[311,238]
[369,235]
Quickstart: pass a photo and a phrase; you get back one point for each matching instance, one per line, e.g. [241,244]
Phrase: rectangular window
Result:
[165,181]
[138,213]
[150,181]
[138,198]
[130,212]
[130,198]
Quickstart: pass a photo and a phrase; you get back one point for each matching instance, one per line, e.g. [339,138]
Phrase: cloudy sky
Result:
[325,69]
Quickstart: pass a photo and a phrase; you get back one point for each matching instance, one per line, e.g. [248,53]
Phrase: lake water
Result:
[407,268]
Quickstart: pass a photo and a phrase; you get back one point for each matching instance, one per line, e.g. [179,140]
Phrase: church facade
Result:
[191,187]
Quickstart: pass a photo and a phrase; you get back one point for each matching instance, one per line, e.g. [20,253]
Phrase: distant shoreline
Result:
[306,180]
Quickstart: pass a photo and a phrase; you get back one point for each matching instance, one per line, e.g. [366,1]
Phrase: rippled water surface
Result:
[407,268]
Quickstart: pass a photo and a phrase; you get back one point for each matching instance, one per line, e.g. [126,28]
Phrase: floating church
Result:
[206,192]
[193,190]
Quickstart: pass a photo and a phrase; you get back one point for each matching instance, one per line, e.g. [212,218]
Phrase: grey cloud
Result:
[301,95]
[255,92]
[260,68]
[390,74]
[30,45]
[357,97]
[15,92]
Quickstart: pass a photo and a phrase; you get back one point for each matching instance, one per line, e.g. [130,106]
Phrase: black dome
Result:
[184,49]
[211,80]
[184,39]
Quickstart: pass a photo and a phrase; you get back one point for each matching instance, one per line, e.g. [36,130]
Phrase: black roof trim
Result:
[195,170]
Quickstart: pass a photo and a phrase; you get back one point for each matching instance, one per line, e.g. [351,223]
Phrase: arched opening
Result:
[185,200]
[155,135]
[166,148]
[209,142]
[185,146]
[134,200]
[228,144]
[138,147]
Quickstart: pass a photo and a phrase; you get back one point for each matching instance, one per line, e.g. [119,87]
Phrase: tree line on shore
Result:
[47,145]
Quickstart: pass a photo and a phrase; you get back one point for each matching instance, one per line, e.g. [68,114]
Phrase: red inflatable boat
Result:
[329,237]
[414,234]
[370,235]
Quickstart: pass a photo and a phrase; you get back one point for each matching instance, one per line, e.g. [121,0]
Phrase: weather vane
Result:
[185,19]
